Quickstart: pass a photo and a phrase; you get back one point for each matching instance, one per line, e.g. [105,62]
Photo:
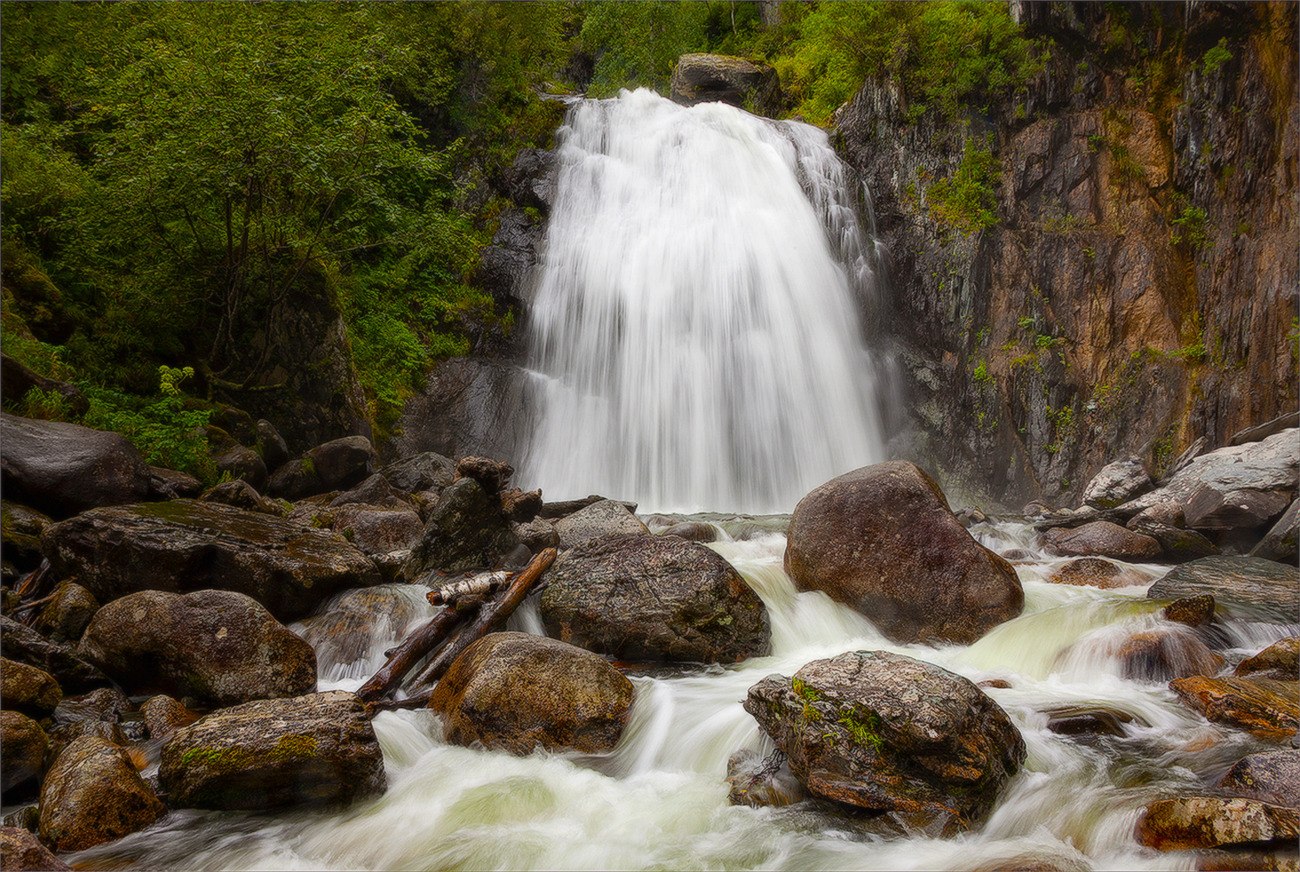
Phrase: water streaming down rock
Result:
[695,333]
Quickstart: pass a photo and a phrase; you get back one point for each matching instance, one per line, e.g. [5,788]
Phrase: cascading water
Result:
[695,332]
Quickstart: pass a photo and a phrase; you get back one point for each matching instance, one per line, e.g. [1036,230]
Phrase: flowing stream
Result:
[659,800]
[695,335]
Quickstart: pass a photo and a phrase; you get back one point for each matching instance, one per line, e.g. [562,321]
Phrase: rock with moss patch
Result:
[186,545]
[21,851]
[215,647]
[311,750]
[517,692]
[1117,483]
[643,597]
[242,495]
[24,744]
[91,795]
[377,529]
[888,733]
[25,645]
[26,689]
[709,78]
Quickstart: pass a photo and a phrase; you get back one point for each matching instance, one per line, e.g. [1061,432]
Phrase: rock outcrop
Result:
[466,530]
[1261,588]
[1268,709]
[597,521]
[1271,776]
[883,541]
[708,78]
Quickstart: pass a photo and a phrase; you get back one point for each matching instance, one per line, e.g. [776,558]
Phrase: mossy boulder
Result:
[709,78]
[214,647]
[652,598]
[888,733]
[882,541]
[517,692]
[466,530]
[26,689]
[24,745]
[91,795]
[186,545]
[311,750]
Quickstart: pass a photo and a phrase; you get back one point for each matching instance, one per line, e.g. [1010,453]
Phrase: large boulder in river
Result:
[1101,539]
[215,647]
[467,530]
[598,521]
[311,750]
[883,541]
[21,851]
[186,545]
[420,472]
[336,465]
[91,795]
[1186,822]
[1265,708]
[1271,776]
[713,78]
[25,645]
[652,598]
[63,469]
[517,692]
[1263,589]
[24,744]
[888,733]
[1282,542]
[1117,483]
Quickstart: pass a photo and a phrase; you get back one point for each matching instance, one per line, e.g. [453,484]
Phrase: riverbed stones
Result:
[762,782]
[25,645]
[1268,709]
[1101,539]
[1188,822]
[1280,661]
[598,521]
[63,469]
[882,541]
[1117,483]
[517,692]
[1191,611]
[1093,572]
[186,545]
[425,471]
[65,617]
[466,531]
[215,647]
[26,689]
[1162,654]
[1264,589]
[651,598]
[24,745]
[21,851]
[378,529]
[1282,542]
[164,715]
[1270,776]
[885,732]
[91,795]
[310,750]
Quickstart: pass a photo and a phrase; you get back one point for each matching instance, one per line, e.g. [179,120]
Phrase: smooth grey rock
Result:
[597,521]
[1117,483]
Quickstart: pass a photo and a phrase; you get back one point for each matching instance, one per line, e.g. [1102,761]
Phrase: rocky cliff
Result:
[1105,264]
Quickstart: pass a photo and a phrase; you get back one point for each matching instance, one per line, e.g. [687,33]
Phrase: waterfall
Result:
[694,336]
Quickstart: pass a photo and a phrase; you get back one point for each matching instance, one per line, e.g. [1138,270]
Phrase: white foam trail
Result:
[694,331]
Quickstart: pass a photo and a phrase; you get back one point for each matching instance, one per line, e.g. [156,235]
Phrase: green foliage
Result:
[1188,228]
[1216,57]
[46,405]
[981,374]
[636,44]
[967,201]
[166,432]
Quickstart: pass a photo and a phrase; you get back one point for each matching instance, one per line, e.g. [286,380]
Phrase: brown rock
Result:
[882,540]
[1085,720]
[1093,572]
[1189,822]
[521,506]
[21,851]
[164,716]
[1159,655]
[1268,709]
[760,782]
[91,795]
[376,529]
[1280,661]
[517,692]
[242,495]
[1194,611]
[65,617]
[1272,777]
[1101,539]
[24,744]
[26,689]
[492,475]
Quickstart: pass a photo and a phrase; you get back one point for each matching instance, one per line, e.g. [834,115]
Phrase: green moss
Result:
[1215,57]
[981,374]
[809,696]
[864,726]
[967,200]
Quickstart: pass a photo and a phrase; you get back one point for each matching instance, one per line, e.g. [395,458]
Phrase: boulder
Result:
[1263,588]
[22,643]
[242,464]
[882,540]
[1087,720]
[563,508]
[21,851]
[884,732]
[1282,542]
[1259,432]
[336,465]
[104,705]
[530,180]
[63,469]
[1193,611]
[1159,655]
[466,530]
[271,445]
[1166,523]
[65,617]
[1093,572]
[1213,510]
[1187,822]
[216,647]
[1281,661]
[91,795]
[421,472]
[710,78]
[378,529]
[760,782]
[374,491]
[25,745]
[692,531]
[644,597]
[171,484]
[1272,777]
[63,736]
[29,690]
[242,495]
[492,475]
[164,715]
[517,692]
[1117,483]
[186,545]
[1265,708]
[20,534]
[537,534]
[310,750]
[597,521]
[1101,539]
[343,631]
[521,506]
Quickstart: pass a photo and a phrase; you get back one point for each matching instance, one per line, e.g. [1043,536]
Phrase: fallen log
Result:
[492,615]
[478,585]
[403,658]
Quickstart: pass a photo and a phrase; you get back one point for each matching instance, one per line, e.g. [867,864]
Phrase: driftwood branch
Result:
[403,658]
[478,585]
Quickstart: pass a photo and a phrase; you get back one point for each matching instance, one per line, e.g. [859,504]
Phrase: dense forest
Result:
[183,182]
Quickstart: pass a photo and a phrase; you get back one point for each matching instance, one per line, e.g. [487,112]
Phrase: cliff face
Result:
[1138,289]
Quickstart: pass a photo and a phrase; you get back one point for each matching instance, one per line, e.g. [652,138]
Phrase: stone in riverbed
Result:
[466,531]
[1265,708]
[91,795]
[65,617]
[1271,776]
[885,732]
[882,541]
[1266,589]
[186,545]
[641,597]
[21,851]
[310,750]
[1117,483]
[517,692]
[421,472]
[760,782]
[1159,655]
[164,716]
[1187,822]
[213,646]
[26,689]
[24,744]
[1282,542]
[598,521]
[25,645]
[1280,661]
[1101,539]
[1193,611]
[1093,572]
